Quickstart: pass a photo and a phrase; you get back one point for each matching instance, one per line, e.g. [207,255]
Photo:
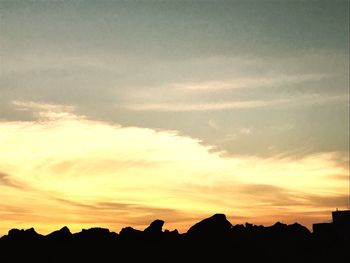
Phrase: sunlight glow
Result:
[86,173]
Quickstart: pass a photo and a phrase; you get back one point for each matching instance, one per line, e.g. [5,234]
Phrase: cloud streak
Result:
[315,99]
[7,180]
[252,82]
[203,106]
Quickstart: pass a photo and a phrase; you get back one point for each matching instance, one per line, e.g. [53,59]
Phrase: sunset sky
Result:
[116,113]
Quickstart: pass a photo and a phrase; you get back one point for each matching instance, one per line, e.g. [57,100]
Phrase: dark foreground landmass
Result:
[213,239]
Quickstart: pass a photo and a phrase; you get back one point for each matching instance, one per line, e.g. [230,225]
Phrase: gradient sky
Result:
[115,113]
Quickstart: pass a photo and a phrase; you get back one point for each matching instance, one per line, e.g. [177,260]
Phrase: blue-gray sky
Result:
[280,67]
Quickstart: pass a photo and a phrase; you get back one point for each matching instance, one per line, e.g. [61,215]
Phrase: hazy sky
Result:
[115,113]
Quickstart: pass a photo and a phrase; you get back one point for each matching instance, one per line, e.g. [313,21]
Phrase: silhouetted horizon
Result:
[180,232]
[214,237]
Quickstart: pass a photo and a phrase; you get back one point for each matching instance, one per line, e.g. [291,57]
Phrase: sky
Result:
[116,113]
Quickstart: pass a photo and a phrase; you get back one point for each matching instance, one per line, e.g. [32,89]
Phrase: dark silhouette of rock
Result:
[299,231]
[96,234]
[171,233]
[59,235]
[28,235]
[212,226]
[153,233]
[130,233]
[155,227]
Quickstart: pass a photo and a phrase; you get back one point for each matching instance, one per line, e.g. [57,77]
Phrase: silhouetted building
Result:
[341,217]
[341,222]
[324,231]
[338,229]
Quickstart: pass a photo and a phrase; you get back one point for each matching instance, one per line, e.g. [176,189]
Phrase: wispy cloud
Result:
[252,82]
[136,214]
[203,106]
[45,111]
[306,100]
[7,180]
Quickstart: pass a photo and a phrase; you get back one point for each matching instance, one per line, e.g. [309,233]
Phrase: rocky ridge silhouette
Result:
[213,239]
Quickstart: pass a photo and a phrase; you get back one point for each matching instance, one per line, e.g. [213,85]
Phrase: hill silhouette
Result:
[213,239]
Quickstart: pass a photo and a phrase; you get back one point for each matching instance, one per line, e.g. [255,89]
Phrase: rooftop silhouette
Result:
[213,239]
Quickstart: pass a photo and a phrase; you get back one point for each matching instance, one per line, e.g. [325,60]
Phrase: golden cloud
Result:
[66,169]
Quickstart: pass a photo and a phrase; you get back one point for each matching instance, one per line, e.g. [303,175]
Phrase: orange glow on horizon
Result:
[64,169]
